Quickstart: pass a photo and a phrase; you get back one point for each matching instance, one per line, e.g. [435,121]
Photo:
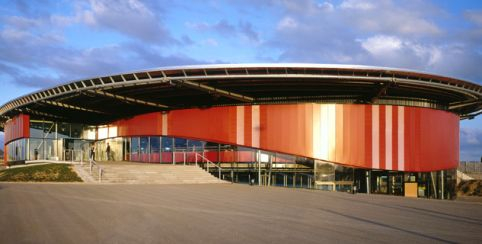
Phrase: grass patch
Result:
[470,188]
[41,173]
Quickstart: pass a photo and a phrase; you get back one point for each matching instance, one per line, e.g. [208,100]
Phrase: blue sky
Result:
[44,43]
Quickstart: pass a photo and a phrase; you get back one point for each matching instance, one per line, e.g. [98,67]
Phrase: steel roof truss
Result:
[64,105]
[214,90]
[128,99]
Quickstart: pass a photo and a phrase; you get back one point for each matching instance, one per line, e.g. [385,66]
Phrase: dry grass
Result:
[41,173]
[470,188]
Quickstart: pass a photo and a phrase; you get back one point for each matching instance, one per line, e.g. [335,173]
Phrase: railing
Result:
[208,162]
[470,167]
[73,155]
[100,169]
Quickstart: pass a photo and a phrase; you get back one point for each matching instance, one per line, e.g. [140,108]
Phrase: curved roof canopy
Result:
[102,99]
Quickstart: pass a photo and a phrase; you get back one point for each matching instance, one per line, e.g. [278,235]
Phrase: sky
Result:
[44,43]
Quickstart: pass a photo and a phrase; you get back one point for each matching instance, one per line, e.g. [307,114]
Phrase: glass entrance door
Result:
[144,149]
[396,183]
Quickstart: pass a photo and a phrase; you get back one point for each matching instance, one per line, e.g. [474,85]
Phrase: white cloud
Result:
[381,45]
[357,5]
[287,23]
[475,16]
[326,6]
[132,18]
[211,42]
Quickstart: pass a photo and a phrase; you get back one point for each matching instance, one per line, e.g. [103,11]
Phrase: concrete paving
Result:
[225,213]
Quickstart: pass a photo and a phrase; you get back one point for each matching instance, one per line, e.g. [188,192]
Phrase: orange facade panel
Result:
[216,124]
[287,128]
[141,125]
[367,136]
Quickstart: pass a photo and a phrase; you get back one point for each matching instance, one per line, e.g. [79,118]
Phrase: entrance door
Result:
[379,181]
[361,180]
[396,183]
[144,149]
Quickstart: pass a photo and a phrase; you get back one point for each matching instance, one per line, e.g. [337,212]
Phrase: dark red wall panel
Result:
[17,127]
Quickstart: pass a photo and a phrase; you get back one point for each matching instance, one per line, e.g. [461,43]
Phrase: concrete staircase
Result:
[142,173]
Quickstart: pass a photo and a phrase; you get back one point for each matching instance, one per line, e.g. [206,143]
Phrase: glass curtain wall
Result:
[134,152]
[155,147]
[167,148]
[17,150]
[144,149]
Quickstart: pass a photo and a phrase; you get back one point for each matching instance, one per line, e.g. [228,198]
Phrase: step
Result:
[139,173]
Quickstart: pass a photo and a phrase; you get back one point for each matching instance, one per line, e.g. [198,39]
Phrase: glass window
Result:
[36,129]
[36,149]
[76,130]
[166,145]
[89,132]
[144,144]
[180,144]
[195,145]
[155,144]
[135,145]
[49,129]
[63,130]
[102,132]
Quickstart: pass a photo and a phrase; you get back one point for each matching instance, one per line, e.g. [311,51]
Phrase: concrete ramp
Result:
[142,173]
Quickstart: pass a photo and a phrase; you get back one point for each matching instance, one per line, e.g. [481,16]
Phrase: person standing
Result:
[107,150]
[92,153]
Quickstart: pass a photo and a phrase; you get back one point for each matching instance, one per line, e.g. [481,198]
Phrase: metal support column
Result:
[173,151]
[442,184]
[258,158]
[270,169]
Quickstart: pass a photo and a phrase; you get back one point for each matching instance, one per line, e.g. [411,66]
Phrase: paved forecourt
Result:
[225,213]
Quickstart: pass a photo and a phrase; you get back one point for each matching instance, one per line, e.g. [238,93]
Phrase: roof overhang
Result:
[102,99]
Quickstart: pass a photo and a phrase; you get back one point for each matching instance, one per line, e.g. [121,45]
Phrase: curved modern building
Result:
[333,127]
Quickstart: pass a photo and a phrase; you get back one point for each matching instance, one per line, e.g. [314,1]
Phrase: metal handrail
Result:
[207,164]
[72,155]
[100,169]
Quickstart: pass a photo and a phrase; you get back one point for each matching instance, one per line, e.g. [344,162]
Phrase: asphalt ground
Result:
[225,213]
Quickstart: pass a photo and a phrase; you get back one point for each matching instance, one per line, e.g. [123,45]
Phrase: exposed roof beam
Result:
[64,105]
[213,90]
[464,104]
[35,112]
[472,115]
[382,91]
[67,97]
[128,99]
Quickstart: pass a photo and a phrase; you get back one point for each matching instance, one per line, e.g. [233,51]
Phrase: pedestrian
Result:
[92,153]
[108,152]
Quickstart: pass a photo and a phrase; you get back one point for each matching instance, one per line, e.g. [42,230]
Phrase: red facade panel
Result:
[354,148]
[395,138]
[368,137]
[141,125]
[287,128]
[248,126]
[429,140]
[17,127]
[382,137]
[218,124]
